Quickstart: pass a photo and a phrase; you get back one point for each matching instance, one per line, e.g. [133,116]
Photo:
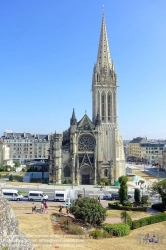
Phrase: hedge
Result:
[149,220]
[114,206]
[119,229]
[159,206]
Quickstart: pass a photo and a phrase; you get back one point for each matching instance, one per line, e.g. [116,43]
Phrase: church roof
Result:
[85,123]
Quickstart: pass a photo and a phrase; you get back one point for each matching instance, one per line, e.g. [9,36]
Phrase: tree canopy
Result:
[159,187]
[123,190]
[17,163]
[89,210]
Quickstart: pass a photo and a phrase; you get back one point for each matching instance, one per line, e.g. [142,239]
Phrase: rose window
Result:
[86,143]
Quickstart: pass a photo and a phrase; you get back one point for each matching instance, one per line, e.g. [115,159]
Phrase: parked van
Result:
[37,195]
[61,195]
[12,194]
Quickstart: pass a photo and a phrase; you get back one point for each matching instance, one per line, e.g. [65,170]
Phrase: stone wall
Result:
[10,236]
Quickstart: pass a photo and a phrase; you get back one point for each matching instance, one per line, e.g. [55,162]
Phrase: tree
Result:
[17,163]
[137,195]
[11,177]
[159,187]
[123,190]
[125,217]
[104,181]
[89,210]
[144,199]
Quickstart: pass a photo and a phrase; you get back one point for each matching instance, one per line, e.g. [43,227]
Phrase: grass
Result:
[134,214]
[40,225]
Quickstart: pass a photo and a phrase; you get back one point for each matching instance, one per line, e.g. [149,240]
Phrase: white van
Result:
[37,195]
[61,195]
[12,194]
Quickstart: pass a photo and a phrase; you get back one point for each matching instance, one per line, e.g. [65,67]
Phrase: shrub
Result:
[11,177]
[159,206]
[119,229]
[96,234]
[0,176]
[89,210]
[74,229]
[117,207]
[104,181]
[149,220]
[137,195]
[105,234]
[144,199]
[125,217]
[127,204]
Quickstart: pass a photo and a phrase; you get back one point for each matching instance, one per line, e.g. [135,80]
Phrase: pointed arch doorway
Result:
[86,175]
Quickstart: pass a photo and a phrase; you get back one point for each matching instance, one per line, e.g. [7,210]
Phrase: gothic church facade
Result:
[91,150]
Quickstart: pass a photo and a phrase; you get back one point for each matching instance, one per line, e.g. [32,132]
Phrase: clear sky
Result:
[47,52]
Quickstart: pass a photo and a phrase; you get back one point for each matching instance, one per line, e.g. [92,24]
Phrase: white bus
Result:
[61,195]
[37,195]
[12,194]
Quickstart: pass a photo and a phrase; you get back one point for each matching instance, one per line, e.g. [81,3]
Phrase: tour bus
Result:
[12,194]
[37,195]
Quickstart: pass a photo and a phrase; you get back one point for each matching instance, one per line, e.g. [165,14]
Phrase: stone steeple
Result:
[104,82]
[103,57]
[73,120]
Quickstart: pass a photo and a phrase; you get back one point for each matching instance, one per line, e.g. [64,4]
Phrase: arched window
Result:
[103,107]
[105,172]
[67,171]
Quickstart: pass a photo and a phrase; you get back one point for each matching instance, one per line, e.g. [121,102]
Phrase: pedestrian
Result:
[99,199]
[33,208]
[42,207]
[60,209]
[67,210]
[110,196]
[45,207]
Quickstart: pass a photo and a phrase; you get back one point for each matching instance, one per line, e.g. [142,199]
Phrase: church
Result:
[92,149]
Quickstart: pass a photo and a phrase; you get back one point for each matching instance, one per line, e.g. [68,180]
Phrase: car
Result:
[106,197]
[129,196]
[115,196]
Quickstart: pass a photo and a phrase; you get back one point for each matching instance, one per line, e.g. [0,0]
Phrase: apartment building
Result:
[149,150]
[27,147]
[5,154]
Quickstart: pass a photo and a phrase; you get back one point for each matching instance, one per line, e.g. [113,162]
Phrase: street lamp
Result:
[84,192]
[111,170]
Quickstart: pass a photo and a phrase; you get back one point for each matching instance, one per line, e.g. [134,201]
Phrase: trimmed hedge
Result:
[96,234]
[159,206]
[119,229]
[115,206]
[149,220]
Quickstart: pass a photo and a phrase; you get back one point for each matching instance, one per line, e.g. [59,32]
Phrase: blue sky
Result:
[47,52]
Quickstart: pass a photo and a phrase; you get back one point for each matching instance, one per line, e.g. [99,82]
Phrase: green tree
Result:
[17,163]
[104,181]
[11,177]
[159,187]
[144,199]
[125,217]
[137,195]
[89,210]
[123,190]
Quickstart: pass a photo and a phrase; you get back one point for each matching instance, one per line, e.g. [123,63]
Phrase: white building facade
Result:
[27,147]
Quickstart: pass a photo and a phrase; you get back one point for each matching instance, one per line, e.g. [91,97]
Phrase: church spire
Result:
[73,120]
[103,58]
[98,120]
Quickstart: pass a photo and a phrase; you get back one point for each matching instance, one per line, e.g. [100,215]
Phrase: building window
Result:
[109,107]
[106,172]
[67,171]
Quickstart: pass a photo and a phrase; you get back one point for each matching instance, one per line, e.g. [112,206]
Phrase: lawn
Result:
[134,214]
[39,226]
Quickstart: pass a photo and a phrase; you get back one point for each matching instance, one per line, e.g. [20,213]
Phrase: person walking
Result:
[42,208]
[45,207]
[99,199]
[33,208]
[60,209]
[67,210]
